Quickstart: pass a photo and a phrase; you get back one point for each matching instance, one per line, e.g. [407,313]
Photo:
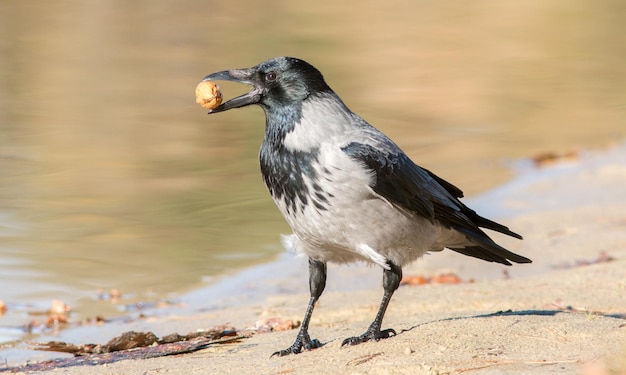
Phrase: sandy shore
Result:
[558,315]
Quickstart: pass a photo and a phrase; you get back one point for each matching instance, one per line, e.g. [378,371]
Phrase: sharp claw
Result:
[387,333]
[282,353]
[369,336]
[349,341]
[313,344]
[299,346]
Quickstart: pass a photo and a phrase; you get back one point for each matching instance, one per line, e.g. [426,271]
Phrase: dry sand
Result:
[566,319]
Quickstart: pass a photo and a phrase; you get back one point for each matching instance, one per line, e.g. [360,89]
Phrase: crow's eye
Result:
[270,77]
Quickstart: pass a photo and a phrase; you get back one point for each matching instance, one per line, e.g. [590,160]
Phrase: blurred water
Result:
[112,177]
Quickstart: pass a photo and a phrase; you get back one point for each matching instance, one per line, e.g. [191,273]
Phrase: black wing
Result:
[407,185]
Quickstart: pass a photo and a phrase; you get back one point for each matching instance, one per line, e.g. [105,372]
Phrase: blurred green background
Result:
[112,177]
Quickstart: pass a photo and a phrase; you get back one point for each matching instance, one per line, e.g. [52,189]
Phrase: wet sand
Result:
[564,313]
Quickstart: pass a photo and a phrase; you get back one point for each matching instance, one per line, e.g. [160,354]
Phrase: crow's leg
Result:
[317,282]
[391,281]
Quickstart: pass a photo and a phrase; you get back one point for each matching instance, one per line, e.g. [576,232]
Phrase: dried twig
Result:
[362,359]
[130,345]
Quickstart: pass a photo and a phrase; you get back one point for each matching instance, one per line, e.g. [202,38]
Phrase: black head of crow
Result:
[347,191]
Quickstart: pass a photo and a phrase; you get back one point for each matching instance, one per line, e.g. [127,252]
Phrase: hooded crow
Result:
[348,192]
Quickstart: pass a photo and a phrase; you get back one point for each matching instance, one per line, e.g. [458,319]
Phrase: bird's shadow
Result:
[516,313]
[565,310]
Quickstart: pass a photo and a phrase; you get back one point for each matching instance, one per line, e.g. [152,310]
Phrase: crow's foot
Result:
[371,334]
[303,342]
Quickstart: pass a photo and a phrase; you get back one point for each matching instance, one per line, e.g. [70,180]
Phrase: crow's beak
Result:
[246,76]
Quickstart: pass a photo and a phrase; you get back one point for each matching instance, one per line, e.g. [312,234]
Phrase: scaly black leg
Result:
[391,281]
[317,283]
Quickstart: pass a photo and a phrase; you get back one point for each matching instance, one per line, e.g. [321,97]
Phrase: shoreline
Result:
[560,209]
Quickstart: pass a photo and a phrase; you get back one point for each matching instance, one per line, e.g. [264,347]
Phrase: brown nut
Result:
[208,94]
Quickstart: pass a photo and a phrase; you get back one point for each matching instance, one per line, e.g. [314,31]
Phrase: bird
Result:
[348,192]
